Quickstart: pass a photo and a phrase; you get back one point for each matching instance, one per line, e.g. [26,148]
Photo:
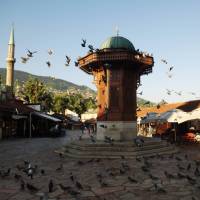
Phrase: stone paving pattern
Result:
[153,178]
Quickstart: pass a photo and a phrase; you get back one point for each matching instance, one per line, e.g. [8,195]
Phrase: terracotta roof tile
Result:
[185,106]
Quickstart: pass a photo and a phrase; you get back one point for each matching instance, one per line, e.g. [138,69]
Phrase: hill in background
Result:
[55,85]
[58,85]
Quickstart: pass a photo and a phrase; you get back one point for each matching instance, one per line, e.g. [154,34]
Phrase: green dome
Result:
[117,42]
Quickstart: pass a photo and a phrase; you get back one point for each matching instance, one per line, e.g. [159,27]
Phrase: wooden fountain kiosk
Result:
[116,68]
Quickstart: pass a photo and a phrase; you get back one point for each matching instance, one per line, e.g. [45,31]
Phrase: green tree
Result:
[60,103]
[91,103]
[47,101]
[80,105]
[34,91]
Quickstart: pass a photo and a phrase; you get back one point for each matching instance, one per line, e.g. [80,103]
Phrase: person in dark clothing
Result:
[82,128]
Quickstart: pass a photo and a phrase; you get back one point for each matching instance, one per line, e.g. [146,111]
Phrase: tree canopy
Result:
[35,91]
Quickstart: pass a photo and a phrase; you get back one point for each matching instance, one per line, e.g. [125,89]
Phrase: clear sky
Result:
[168,29]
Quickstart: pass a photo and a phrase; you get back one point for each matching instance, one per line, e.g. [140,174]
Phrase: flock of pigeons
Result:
[28,170]
[29,54]
[186,169]
[139,142]
[168,91]
[169,74]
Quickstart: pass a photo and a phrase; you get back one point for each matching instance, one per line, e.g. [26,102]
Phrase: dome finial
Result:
[117,30]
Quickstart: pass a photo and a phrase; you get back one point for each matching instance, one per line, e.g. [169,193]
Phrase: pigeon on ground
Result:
[17,176]
[189,167]
[180,175]
[92,139]
[153,177]
[78,185]
[197,172]
[139,142]
[71,177]
[60,167]
[5,173]
[22,184]
[42,171]
[61,155]
[51,186]
[168,175]
[131,179]
[31,187]
[64,188]
[159,188]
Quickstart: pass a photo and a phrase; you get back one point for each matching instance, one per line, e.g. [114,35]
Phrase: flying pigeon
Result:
[83,43]
[24,59]
[91,48]
[164,61]
[30,53]
[50,52]
[140,93]
[48,63]
[76,63]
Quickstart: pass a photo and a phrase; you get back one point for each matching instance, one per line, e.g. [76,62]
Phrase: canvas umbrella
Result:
[175,116]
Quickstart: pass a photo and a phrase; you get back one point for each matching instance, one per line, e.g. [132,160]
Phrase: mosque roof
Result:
[117,42]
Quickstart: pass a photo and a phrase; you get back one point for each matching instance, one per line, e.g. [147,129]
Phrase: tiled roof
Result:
[12,105]
[185,106]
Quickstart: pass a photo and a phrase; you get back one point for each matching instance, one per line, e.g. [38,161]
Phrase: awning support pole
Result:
[175,132]
[30,124]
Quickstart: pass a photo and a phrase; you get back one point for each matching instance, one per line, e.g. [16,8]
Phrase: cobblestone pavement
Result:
[173,177]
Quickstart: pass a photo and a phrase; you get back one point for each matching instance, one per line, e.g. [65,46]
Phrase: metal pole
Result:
[30,123]
[24,127]
[175,132]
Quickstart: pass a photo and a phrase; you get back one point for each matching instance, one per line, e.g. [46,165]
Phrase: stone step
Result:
[113,152]
[100,149]
[78,156]
[115,147]
[88,143]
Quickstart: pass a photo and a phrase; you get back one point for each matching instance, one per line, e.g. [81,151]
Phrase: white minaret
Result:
[10,61]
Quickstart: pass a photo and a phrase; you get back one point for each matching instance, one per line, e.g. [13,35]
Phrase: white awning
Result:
[193,115]
[43,115]
[179,116]
[173,116]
